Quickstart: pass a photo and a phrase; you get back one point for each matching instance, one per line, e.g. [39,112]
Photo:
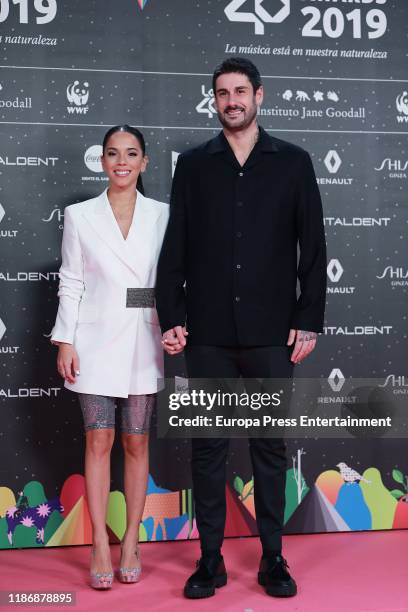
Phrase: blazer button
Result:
[240,203]
[237,298]
[241,174]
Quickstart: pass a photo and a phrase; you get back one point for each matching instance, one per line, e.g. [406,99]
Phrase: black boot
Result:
[210,574]
[274,576]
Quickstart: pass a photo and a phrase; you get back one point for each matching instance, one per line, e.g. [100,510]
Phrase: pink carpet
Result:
[342,572]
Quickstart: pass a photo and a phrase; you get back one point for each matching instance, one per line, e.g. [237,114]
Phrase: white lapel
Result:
[142,240]
[136,251]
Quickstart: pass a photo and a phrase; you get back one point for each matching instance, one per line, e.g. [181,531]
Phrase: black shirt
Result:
[232,239]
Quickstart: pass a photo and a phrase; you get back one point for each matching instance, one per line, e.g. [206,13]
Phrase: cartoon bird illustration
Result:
[349,475]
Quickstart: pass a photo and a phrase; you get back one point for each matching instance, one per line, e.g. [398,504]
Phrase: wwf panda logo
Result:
[78,94]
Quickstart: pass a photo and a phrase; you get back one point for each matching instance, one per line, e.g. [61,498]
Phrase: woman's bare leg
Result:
[136,451]
[97,476]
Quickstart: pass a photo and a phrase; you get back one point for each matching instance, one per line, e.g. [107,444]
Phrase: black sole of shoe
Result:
[197,593]
[288,590]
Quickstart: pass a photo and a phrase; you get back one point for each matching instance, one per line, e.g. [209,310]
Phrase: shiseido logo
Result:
[259,16]
[399,384]
[77,96]
[396,168]
[55,215]
[397,276]
[206,105]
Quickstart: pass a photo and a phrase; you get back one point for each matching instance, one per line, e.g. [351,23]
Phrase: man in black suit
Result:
[241,205]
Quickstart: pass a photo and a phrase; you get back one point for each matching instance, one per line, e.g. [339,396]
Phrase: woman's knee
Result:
[135,445]
[100,441]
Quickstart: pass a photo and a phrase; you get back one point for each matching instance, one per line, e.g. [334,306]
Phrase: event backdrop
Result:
[335,84]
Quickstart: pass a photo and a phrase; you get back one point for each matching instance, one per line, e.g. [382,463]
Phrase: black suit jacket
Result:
[229,262]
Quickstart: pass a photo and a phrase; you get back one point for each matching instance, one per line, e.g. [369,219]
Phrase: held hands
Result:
[174,340]
[305,342]
[68,362]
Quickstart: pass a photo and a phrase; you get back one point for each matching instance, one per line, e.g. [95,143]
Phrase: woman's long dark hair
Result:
[139,137]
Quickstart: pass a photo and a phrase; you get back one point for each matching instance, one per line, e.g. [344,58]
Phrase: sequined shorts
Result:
[99,412]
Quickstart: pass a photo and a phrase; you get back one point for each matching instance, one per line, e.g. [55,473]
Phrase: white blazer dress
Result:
[119,348]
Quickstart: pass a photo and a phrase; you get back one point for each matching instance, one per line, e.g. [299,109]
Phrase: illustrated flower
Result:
[43,510]
[27,521]
[11,511]
[40,535]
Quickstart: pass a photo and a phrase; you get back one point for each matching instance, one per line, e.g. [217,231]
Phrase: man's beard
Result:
[247,118]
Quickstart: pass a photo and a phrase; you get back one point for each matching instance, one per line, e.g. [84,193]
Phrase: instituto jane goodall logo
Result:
[14,102]
[259,14]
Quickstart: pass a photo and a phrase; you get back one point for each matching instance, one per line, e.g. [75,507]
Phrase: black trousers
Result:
[268,455]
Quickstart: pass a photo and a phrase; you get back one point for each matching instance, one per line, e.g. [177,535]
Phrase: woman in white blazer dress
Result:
[110,349]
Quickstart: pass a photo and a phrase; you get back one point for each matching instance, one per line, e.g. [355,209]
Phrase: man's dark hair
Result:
[240,65]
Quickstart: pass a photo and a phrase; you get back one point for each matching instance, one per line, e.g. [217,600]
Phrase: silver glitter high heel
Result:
[101,580]
[130,575]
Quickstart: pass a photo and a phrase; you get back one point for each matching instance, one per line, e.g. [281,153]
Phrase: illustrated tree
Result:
[243,490]
[399,477]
